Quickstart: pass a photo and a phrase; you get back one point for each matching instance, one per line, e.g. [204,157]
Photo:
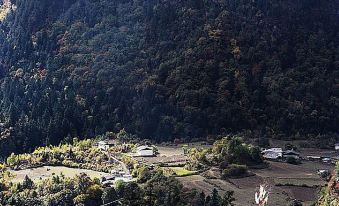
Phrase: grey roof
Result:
[108,142]
[144,148]
[291,152]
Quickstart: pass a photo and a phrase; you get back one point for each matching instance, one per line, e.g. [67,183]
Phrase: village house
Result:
[106,144]
[110,180]
[326,160]
[323,173]
[125,178]
[145,151]
[313,158]
[115,176]
[114,172]
[272,153]
[336,146]
[291,153]
[334,160]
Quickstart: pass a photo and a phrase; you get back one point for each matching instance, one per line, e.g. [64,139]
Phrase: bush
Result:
[295,203]
[144,174]
[292,160]
[234,170]
[223,165]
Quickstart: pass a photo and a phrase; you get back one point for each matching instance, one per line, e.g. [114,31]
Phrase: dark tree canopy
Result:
[168,69]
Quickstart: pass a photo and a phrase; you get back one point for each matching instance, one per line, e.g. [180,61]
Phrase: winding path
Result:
[123,165]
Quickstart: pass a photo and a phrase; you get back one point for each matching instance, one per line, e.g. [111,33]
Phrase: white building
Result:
[336,146]
[313,158]
[102,145]
[111,180]
[145,151]
[326,160]
[124,179]
[277,149]
[273,153]
[105,145]
[128,177]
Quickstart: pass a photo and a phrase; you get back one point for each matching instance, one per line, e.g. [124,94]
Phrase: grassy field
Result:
[181,171]
[41,173]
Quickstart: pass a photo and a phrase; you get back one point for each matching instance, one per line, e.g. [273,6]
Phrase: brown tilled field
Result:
[286,182]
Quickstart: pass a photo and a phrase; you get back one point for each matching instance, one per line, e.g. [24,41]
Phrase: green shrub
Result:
[144,174]
[234,170]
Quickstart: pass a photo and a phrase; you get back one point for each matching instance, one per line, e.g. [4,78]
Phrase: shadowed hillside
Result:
[168,69]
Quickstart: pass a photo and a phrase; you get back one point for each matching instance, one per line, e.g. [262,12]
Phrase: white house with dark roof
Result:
[145,151]
[106,144]
[291,153]
[272,153]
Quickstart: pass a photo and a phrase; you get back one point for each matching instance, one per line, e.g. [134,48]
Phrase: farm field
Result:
[46,172]
[286,182]
[306,170]
[293,181]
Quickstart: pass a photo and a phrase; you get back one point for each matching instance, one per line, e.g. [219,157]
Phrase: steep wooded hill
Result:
[168,69]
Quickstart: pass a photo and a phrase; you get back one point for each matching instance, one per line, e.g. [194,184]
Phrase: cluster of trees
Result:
[230,154]
[84,191]
[168,69]
[78,154]
[233,150]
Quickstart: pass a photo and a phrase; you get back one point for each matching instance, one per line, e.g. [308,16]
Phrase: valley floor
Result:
[286,182]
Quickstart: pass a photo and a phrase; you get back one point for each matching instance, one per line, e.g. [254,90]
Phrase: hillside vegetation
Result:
[329,195]
[42,182]
[168,69]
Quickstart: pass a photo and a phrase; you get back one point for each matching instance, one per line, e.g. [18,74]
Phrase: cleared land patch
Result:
[180,171]
[46,172]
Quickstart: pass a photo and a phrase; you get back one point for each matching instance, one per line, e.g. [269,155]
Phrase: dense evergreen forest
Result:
[165,69]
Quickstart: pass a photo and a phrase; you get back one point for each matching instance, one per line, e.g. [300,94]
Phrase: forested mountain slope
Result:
[168,69]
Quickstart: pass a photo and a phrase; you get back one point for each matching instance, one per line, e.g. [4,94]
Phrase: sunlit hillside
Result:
[5,8]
